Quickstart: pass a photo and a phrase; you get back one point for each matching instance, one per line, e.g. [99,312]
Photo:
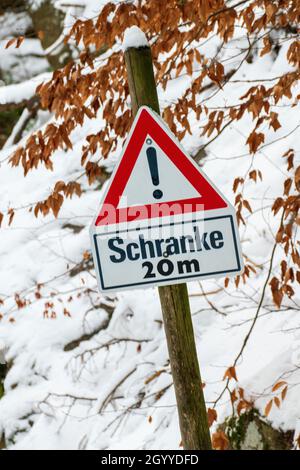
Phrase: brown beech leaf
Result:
[211,416]
[41,35]
[277,205]
[297,178]
[284,392]
[220,441]
[154,376]
[59,186]
[10,43]
[230,373]
[254,140]
[276,291]
[287,186]
[277,402]
[11,214]
[267,46]
[247,205]
[278,385]
[268,407]
[236,182]
[253,175]
[243,405]
[20,40]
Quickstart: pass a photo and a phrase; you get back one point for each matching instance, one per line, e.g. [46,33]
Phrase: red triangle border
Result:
[147,125]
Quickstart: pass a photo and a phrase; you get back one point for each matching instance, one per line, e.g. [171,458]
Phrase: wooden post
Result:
[174,299]
[3,370]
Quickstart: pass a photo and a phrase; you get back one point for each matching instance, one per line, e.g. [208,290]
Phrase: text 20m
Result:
[166,267]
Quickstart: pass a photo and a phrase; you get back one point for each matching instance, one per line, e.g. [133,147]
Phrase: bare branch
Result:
[29,103]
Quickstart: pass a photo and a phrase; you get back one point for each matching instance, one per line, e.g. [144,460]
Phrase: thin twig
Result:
[246,339]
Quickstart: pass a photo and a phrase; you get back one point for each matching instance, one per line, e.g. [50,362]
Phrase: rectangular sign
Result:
[166,253]
[136,237]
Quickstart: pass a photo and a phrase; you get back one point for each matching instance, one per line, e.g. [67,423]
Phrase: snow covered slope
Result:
[91,372]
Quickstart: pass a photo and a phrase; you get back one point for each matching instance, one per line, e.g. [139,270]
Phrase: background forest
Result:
[87,371]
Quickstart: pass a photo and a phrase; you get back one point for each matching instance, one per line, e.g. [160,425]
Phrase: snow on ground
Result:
[88,371]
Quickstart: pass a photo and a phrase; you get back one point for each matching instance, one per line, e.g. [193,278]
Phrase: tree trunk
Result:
[11,5]
[49,20]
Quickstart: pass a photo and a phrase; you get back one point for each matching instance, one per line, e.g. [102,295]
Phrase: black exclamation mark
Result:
[152,162]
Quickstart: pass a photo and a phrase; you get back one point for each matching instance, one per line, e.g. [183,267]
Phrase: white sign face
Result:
[171,181]
[161,254]
[161,221]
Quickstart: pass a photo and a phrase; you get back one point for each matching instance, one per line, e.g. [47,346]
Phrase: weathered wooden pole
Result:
[174,299]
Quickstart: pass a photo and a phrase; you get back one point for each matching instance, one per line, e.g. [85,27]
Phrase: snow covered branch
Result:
[21,94]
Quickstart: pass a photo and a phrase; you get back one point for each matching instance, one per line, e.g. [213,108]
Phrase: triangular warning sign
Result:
[154,176]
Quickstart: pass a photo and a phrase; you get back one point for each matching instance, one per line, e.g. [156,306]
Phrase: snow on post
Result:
[134,37]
